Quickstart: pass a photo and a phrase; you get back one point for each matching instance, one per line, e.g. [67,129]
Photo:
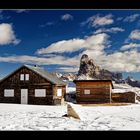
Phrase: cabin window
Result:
[86,91]
[22,77]
[26,77]
[40,92]
[59,92]
[9,93]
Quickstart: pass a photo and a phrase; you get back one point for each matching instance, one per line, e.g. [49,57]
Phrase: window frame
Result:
[22,78]
[26,77]
[86,91]
[37,93]
[13,92]
[59,89]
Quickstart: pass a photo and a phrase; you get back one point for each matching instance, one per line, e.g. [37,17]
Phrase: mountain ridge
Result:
[89,70]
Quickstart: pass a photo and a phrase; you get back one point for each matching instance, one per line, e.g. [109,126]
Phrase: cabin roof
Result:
[52,78]
[45,74]
[75,81]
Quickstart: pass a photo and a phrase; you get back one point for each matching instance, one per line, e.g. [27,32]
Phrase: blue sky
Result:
[56,39]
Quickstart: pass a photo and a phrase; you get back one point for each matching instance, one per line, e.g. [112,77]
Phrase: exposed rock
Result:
[118,78]
[69,76]
[118,75]
[89,70]
[72,112]
[132,82]
[87,67]
[65,76]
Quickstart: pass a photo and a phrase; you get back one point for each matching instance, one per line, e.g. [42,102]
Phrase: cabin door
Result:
[24,96]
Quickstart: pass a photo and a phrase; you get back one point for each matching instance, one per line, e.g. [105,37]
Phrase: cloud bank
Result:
[66,17]
[93,45]
[98,20]
[7,35]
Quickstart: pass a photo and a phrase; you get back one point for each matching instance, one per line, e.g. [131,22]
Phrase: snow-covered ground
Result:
[37,117]
[125,88]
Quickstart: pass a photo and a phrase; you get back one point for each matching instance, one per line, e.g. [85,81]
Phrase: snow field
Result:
[33,117]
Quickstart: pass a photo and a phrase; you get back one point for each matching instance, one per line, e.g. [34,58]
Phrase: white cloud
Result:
[46,24]
[111,30]
[59,60]
[130,46]
[21,10]
[118,61]
[98,20]
[123,61]
[7,35]
[131,18]
[94,42]
[95,47]
[68,69]
[66,17]
[126,61]
[135,34]
[62,46]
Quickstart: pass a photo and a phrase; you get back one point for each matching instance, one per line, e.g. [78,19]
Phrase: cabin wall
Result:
[99,92]
[35,82]
[59,99]
[31,95]
[34,78]
[128,97]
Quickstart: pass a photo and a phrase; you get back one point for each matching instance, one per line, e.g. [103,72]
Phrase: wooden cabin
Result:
[93,91]
[32,85]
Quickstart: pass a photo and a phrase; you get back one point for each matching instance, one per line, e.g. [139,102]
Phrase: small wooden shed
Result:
[125,97]
[32,85]
[93,91]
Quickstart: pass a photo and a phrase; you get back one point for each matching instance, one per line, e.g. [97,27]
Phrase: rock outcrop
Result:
[89,70]
[65,76]
[69,76]
[132,82]
[87,66]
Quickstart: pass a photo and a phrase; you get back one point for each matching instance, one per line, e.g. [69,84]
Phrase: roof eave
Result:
[75,81]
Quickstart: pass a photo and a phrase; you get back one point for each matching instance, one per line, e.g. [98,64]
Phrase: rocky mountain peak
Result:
[89,69]
[87,66]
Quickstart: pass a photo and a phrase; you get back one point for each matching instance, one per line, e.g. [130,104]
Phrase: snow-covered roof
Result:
[97,80]
[120,90]
[45,74]
[52,78]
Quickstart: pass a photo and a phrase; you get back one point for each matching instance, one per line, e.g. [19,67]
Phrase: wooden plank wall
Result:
[35,82]
[99,92]
[128,97]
